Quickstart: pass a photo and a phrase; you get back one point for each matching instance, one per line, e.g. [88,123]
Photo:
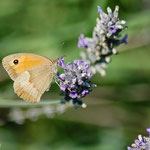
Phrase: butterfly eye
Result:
[16,61]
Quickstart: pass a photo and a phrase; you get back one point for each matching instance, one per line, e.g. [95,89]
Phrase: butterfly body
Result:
[32,74]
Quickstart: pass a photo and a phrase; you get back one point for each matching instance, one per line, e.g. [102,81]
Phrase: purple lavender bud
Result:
[141,144]
[84,92]
[124,39]
[62,86]
[78,63]
[86,64]
[72,85]
[81,64]
[129,148]
[69,65]
[73,94]
[99,10]
[58,74]
[89,74]
[61,63]
[148,130]
[112,29]
[80,82]
[82,42]
[144,139]
[61,76]
[137,142]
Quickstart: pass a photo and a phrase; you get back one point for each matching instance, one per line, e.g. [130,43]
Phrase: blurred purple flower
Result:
[142,143]
[82,42]
[148,130]
[99,10]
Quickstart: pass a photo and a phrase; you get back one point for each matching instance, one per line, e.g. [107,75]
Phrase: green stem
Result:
[16,103]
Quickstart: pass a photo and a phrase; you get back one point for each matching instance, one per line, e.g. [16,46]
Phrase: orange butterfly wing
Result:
[32,74]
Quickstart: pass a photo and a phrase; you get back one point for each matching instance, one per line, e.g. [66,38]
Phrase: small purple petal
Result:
[137,142]
[61,63]
[78,63]
[72,85]
[141,144]
[62,86]
[69,65]
[82,42]
[148,130]
[124,39]
[144,139]
[86,64]
[89,74]
[61,76]
[80,82]
[112,29]
[129,148]
[73,94]
[99,10]
[84,92]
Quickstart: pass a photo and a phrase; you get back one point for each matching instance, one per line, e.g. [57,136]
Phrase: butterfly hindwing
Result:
[25,89]
[31,84]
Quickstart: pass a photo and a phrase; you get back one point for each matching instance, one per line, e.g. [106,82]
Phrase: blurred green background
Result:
[118,109]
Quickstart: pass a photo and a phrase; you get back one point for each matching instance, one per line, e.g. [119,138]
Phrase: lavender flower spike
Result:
[75,81]
[106,36]
[142,143]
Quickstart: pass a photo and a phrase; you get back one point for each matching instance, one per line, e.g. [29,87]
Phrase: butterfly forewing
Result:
[25,62]
[32,75]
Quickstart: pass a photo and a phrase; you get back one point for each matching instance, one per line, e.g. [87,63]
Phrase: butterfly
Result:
[32,74]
